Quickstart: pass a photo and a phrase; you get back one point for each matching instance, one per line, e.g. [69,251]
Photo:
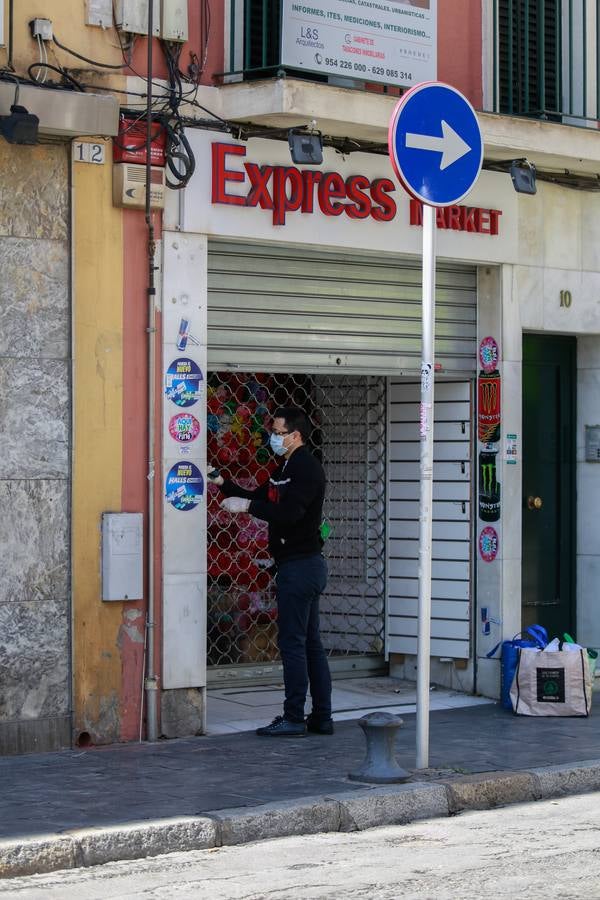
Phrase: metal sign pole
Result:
[426,479]
[436,150]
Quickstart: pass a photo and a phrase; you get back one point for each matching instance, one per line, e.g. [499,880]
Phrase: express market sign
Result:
[252,191]
[286,189]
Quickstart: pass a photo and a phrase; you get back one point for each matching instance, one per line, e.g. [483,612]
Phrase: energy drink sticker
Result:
[489,487]
[488,411]
[184,428]
[184,487]
[183,383]
[183,335]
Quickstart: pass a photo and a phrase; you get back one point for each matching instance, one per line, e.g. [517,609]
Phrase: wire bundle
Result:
[182,88]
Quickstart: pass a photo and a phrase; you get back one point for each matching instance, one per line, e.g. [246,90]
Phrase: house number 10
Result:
[566,299]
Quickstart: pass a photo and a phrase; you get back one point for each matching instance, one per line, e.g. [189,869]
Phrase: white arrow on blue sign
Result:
[435,144]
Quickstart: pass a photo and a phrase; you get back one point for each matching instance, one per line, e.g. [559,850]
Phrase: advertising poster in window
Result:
[387,41]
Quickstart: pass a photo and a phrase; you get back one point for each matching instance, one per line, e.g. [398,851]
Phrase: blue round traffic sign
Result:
[435,144]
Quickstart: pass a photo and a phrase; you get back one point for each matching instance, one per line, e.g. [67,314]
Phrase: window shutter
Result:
[262,30]
[529,57]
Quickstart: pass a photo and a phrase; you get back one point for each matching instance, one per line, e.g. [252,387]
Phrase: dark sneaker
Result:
[281,727]
[319,726]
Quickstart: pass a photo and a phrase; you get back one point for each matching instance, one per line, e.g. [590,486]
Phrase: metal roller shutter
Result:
[452,524]
[300,309]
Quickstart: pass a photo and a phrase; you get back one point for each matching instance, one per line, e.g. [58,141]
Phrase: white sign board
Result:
[388,41]
[242,190]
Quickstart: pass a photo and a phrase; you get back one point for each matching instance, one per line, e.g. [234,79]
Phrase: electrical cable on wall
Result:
[43,61]
[165,107]
[179,155]
[93,62]
[43,84]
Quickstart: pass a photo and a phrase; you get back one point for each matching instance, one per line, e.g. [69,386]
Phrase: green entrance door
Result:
[548,585]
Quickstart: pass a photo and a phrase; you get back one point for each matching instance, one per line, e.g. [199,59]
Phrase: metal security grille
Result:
[348,418]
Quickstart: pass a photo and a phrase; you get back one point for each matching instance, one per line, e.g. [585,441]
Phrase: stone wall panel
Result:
[34,298]
[34,418]
[34,195]
[34,659]
[34,535]
[35,463]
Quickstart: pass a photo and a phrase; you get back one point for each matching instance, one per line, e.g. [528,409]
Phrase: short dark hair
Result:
[295,420]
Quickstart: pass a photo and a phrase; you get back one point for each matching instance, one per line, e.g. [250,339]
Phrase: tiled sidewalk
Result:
[56,792]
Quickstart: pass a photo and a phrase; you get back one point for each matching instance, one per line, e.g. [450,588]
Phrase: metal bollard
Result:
[380,766]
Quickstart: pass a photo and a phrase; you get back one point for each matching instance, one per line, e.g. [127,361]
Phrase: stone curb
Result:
[348,811]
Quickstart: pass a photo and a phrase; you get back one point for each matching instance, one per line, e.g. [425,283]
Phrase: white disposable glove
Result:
[214,477]
[235,504]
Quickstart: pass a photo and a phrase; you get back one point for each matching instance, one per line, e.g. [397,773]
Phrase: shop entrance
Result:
[348,415]
[549,418]
[292,309]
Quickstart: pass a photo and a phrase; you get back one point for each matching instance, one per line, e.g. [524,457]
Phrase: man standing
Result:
[292,504]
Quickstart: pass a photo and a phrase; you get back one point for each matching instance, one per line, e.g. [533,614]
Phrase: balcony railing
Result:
[542,62]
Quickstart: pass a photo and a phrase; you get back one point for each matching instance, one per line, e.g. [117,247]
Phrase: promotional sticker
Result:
[184,428]
[488,354]
[184,486]
[184,382]
[488,408]
[488,544]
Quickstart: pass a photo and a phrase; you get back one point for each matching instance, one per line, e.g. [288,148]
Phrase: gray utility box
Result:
[122,556]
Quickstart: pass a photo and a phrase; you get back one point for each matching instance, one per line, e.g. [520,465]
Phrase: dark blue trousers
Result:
[300,583]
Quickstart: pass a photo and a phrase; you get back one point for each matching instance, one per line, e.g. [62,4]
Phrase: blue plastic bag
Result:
[509,655]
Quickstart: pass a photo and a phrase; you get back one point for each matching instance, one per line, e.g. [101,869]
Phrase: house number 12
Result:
[566,299]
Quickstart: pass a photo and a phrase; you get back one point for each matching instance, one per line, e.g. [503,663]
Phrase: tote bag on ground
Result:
[534,636]
[552,683]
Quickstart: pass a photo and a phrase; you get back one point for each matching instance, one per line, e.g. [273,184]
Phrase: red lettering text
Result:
[356,186]
[310,178]
[259,179]
[332,186]
[494,217]
[221,175]
[459,218]
[285,177]
[386,210]
[284,189]
[416,212]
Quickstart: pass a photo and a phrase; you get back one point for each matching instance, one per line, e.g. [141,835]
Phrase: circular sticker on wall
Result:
[488,544]
[183,383]
[184,487]
[184,428]
[488,354]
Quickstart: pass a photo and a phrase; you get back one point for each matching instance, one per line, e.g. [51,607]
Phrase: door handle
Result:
[534,503]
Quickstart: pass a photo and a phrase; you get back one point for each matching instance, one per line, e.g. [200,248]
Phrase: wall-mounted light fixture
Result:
[523,173]
[306,146]
[20,126]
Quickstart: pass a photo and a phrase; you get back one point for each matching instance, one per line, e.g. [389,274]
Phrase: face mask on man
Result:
[277,445]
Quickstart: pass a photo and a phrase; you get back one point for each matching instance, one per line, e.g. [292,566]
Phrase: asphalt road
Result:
[544,850]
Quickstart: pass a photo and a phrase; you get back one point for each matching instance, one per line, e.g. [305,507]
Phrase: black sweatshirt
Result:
[291,501]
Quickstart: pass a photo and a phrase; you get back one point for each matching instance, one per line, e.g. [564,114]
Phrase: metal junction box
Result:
[132,16]
[122,556]
[174,20]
